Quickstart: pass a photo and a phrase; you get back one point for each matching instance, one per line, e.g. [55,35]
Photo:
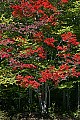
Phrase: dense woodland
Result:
[40,59]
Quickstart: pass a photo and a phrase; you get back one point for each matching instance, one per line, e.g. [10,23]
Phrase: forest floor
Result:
[20,116]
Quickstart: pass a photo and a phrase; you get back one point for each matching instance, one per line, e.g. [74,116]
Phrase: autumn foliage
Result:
[32,55]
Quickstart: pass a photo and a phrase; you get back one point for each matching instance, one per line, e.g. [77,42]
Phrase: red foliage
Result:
[17,53]
[26,81]
[16,64]
[41,52]
[64,1]
[7,41]
[49,41]
[70,38]
[31,7]
[38,37]
[61,48]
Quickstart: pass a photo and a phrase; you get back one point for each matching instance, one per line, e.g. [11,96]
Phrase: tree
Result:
[30,48]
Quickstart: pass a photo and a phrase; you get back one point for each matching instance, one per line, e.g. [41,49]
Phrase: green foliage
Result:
[6,77]
[4,20]
[70,18]
[68,84]
[51,111]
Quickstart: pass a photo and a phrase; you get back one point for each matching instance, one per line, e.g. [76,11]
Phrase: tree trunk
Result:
[79,100]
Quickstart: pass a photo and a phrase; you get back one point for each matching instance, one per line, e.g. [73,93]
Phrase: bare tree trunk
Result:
[49,97]
[45,104]
[64,99]
[30,98]
[79,99]
[68,98]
